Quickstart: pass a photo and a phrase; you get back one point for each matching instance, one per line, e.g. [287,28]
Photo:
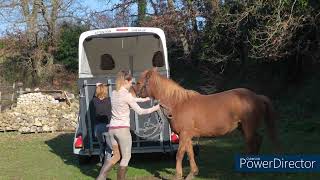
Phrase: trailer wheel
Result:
[83,160]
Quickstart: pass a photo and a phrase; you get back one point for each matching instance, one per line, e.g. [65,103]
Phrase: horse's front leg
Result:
[194,168]
[179,158]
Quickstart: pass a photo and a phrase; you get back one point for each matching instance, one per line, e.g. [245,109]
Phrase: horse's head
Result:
[143,88]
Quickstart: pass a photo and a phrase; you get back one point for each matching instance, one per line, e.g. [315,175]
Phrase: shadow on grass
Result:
[62,147]
[215,161]
[160,165]
[216,158]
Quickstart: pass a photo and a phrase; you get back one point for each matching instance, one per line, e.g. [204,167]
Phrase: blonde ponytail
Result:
[122,76]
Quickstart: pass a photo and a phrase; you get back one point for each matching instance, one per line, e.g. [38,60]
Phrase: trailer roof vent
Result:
[106,62]
[158,60]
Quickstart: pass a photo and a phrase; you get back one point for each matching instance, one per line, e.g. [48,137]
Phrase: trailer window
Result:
[158,60]
[106,62]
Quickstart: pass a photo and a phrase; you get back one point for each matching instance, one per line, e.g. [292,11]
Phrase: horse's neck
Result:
[169,104]
[169,100]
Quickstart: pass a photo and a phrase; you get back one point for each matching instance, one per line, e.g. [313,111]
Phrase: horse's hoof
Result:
[190,176]
[196,172]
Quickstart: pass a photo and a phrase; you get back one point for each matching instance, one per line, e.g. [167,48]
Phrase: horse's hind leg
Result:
[256,143]
[194,169]
[252,138]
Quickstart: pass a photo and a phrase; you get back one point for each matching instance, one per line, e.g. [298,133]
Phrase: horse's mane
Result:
[171,90]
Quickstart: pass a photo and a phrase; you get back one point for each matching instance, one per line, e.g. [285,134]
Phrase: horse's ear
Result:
[144,72]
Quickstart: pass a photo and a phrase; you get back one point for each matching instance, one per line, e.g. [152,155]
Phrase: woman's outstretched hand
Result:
[156,107]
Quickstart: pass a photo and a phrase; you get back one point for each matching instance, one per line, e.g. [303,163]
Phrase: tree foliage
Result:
[67,49]
[32,38]
[215,31]
[261,30]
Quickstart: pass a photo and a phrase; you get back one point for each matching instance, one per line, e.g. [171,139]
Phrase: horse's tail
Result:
[270,121]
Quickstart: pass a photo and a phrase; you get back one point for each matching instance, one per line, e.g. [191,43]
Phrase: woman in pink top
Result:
[119,128]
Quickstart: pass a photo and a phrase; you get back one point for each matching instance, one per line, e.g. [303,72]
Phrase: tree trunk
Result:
[31,20]
[185,45]
[215,6]
[50,19]
[53,21]
[35,72]
[142,7]
[31,17]
[170,5]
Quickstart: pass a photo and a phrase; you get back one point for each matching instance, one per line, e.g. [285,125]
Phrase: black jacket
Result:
[102,110]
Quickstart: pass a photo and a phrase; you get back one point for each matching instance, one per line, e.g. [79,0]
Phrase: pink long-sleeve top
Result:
[121,101]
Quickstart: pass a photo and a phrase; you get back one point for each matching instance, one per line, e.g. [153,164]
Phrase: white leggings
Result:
[122,137]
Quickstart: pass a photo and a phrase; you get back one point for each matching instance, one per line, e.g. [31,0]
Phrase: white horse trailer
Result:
[102,53]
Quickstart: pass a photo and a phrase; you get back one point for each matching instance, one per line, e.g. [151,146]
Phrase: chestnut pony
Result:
[197,115]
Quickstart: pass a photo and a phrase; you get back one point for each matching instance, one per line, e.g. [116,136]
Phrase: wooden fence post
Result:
[13,89]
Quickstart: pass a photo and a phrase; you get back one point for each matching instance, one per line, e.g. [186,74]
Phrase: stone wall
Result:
[37,112]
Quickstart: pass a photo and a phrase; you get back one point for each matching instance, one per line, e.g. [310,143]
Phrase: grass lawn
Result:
[49,156]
